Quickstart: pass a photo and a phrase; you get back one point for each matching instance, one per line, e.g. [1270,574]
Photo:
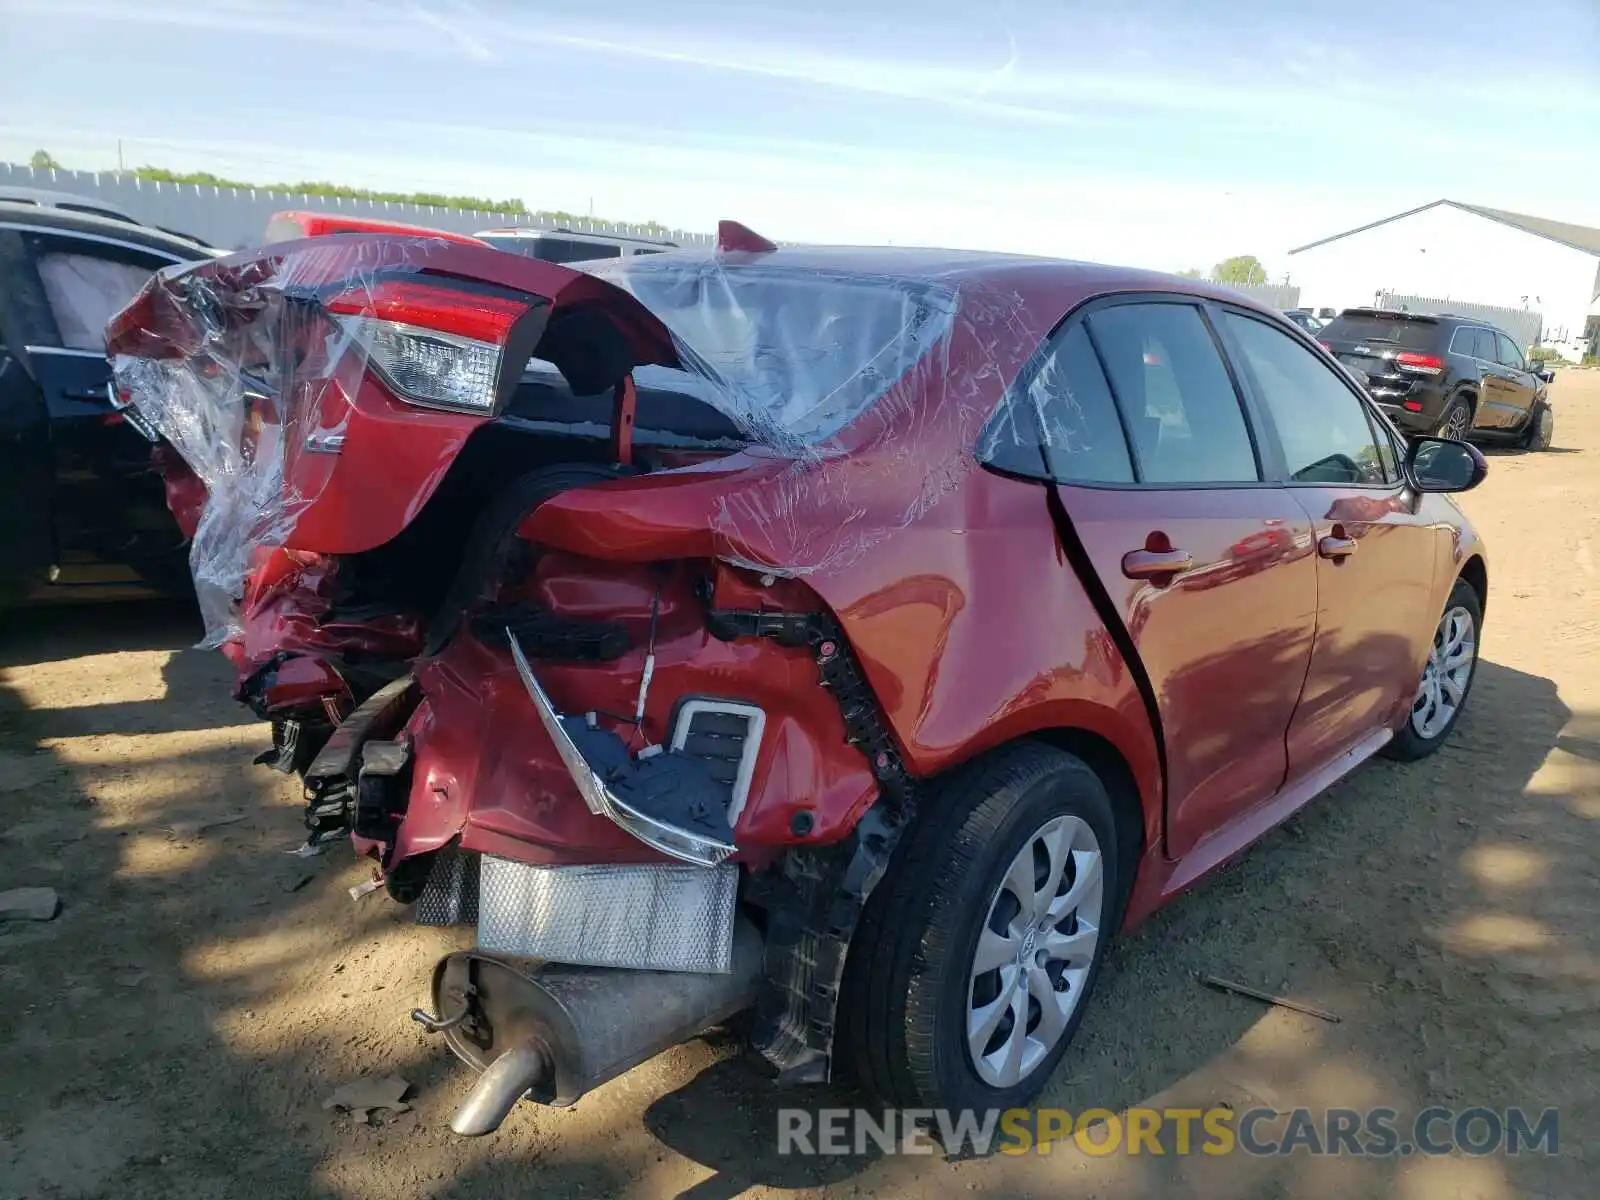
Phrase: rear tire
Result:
[1456,422]
[1541,428]
[917,995]
[1427,725]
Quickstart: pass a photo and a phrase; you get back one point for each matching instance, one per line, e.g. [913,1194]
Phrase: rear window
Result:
[1397,329]
[552,249]
[791,355]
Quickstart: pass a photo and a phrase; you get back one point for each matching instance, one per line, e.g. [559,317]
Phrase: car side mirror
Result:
[1547,374]
[1444,465]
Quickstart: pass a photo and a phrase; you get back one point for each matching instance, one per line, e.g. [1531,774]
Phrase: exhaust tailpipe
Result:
[556,1032]
[508,1079]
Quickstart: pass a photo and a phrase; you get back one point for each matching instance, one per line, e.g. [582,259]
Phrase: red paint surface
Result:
[286,609]
[1272,670]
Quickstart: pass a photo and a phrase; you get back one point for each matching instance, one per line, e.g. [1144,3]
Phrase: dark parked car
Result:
[1304,318]
[91,206]
[858,636]
[83,511]
[1452,376]
[566,245]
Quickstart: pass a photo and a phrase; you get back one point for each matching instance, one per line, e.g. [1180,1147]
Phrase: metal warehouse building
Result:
[1448,254]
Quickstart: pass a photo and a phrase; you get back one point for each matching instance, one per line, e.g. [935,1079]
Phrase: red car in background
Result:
[856,636]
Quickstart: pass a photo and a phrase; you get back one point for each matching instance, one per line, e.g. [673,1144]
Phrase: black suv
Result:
[1448,375]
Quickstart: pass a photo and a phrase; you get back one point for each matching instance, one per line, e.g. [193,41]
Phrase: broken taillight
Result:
[436,346]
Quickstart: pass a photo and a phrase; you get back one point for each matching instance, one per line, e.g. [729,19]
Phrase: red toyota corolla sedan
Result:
[858,637]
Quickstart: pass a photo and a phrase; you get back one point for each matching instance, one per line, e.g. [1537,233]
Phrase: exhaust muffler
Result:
[555,1032]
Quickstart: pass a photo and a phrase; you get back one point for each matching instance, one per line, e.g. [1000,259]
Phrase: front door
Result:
[1209,569]
[1373,615]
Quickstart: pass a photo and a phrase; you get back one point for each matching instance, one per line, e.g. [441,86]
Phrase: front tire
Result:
[1541,428]
[976,954]
[1446,678]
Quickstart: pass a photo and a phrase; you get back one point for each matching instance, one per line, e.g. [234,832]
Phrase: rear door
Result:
[1375,555]
[1207,568]
[27,548]
[110,506]
[1477,344]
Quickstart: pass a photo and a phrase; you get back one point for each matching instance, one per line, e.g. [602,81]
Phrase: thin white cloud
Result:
[452,30]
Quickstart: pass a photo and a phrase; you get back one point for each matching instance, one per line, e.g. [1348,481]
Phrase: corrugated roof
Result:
[1579,237]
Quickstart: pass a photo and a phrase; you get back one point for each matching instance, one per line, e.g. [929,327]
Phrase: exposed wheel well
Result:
[1107,762]
[1477,574]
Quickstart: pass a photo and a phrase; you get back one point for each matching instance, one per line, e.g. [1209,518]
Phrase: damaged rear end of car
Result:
[528,570]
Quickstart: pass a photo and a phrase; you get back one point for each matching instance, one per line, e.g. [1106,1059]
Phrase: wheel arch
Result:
[1137,821]
[1476,573]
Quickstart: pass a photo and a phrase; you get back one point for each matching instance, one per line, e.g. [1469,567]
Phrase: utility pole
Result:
[119,156]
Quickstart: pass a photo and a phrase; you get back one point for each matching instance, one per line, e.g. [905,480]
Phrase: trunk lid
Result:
[320,389]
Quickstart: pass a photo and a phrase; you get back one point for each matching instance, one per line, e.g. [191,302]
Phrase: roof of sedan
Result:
[975,266]
[180,246]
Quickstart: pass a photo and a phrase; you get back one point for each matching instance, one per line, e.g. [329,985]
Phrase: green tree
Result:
[1241,268]
[1192,273]
[42,161]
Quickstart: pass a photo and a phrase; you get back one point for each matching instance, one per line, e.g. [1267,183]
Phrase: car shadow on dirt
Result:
[179,1024]
[1292,916]
[1495,451]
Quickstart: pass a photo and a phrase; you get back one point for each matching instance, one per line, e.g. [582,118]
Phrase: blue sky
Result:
[1164,133]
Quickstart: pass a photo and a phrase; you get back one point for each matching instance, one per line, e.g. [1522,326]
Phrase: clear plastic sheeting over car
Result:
[873,383]
[243,370]
[870,387]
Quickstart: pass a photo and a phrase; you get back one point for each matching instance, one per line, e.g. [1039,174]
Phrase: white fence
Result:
[232,218]
[1274,295]
[1524,326]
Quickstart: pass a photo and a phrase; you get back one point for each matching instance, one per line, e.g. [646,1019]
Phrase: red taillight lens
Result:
[434,345]
[1325,345]
[484,317]
[1421,364]
[1411,405]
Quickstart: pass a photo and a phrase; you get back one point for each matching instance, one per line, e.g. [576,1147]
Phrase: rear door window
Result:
[1326,434]
[1470,342]
[1063,421]
[1182,412]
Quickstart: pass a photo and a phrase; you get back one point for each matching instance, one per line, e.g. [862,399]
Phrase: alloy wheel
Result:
[1031,964]
[1447,673]
[1456,424]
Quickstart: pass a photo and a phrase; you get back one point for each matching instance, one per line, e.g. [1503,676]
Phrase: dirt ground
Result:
[176,1029]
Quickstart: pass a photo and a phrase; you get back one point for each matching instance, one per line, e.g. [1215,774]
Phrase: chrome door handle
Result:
[1153,564]
[1336,547]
